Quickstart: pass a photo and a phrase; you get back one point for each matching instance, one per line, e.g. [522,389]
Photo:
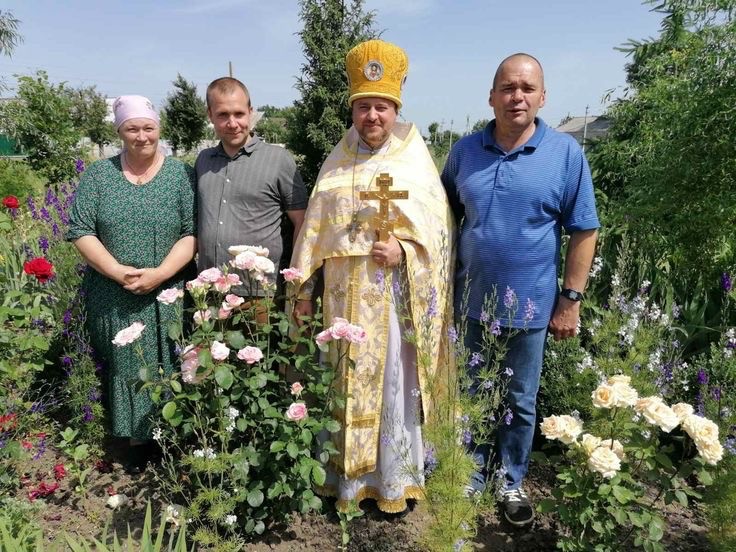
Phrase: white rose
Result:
[604,461]
[624,394]
[617,448]
[619,378]
[711,452]
[701,430]
[590,443]
[564,428]
[656,412]
[682,411]
[604,396]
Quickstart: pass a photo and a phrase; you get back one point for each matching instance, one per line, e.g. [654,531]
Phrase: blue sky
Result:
[454,47]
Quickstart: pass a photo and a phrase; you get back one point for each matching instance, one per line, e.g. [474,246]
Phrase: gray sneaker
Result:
[516,507]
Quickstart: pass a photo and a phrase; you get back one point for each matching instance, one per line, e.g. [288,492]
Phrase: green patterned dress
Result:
[138,225]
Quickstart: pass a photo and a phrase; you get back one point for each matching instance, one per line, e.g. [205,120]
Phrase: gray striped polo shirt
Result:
[243,200]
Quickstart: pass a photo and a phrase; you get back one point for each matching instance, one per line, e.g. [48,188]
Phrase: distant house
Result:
[597,127]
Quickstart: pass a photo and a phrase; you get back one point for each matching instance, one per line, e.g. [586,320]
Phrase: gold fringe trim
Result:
[389,506]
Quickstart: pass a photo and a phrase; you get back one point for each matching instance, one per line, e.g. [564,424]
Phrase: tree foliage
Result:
[331,29]
[184,116]
[9,35]
[40,119]
[88,112]
[667,165]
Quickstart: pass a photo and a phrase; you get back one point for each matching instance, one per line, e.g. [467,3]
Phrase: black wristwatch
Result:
[572,294]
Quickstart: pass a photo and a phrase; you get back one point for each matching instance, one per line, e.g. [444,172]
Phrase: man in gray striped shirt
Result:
[248,192]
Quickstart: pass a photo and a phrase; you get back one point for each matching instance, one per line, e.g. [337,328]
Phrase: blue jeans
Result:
[524,356]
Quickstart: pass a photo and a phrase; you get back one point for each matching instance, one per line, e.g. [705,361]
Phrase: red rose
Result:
[11,202]
[40,268]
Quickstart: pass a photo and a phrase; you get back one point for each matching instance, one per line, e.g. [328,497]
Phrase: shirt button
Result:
[227,180]
[224,200]
[220,222]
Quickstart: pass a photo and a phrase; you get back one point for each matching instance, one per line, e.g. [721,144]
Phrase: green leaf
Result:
[333,426]
[174,331]
[277,446]
[705,477]
[681,497]
[292,450]
[169,410]
[235,339]
[656,531]
[319,475]
[546,505]
[255,498]
[224,377]
[284,326]
[663,460]
[622,494]
[259,528]
[175,386]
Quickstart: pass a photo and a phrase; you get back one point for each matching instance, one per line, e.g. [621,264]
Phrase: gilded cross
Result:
[383,195]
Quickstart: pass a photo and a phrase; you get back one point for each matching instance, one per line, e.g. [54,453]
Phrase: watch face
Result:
[572,294]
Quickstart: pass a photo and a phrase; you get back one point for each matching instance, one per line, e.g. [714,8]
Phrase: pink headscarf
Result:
[133,107]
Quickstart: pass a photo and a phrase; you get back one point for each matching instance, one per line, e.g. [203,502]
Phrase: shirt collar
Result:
[489,141]
[247,149]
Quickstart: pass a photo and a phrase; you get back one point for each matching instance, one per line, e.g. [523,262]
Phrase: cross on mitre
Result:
[383,195]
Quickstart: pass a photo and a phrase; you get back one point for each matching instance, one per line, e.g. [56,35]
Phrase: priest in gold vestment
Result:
[398,290]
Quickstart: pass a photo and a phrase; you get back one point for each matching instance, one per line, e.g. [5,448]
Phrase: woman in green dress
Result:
[133,222]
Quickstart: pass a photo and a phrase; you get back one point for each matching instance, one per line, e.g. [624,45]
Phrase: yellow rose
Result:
[590,443]
[656,412]
[603,396]
[617,448]
[682,411]
[604,461]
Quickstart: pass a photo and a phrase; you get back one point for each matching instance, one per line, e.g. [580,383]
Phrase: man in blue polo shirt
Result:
[515,186]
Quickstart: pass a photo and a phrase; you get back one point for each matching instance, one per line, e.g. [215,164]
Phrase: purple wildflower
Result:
[87,415]
[45,216]
[509,298]
[99,367]
[32,208]
[529,310]
[67,361]
[38,324]
[452,334]
[43,243]
[496,327]
[94,394]
[79,166]
[726,282]
[385,439]
[55,230]
[730,445]
[475,359]
[508,416]
[484,316]
[467,437]
[716,393]
[488,384]
[396,287]
[700,404]
[702,377]
[67,317]
[430,459]
[508,371]
[432,303]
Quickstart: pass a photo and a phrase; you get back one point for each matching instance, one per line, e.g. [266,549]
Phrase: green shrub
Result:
[18,179]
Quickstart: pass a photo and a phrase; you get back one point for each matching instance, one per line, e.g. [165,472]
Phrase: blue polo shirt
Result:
[514,207]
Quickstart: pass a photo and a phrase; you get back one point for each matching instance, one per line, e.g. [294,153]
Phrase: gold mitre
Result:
[376,69]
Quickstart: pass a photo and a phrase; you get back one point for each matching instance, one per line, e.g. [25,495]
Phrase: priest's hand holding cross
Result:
[387,250]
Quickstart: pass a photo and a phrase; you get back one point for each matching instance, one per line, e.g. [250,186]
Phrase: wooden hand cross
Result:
[383,195]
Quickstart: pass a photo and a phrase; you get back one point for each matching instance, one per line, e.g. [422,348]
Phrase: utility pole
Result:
[230,68]
[451,121]
[585,127]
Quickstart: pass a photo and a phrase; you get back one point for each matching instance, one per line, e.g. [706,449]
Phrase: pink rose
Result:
[189,364]
[340,328]
[170,296]
[128,335]
[201,316]
[291,274]
[211,275]
[219,351]
[233,301]
[323,337]
[250,355]
[296,388]
[297,411]
[245,260]
[197,284]
[224,283]
[224,313]
[265,265]
[357,334]
[255,249]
